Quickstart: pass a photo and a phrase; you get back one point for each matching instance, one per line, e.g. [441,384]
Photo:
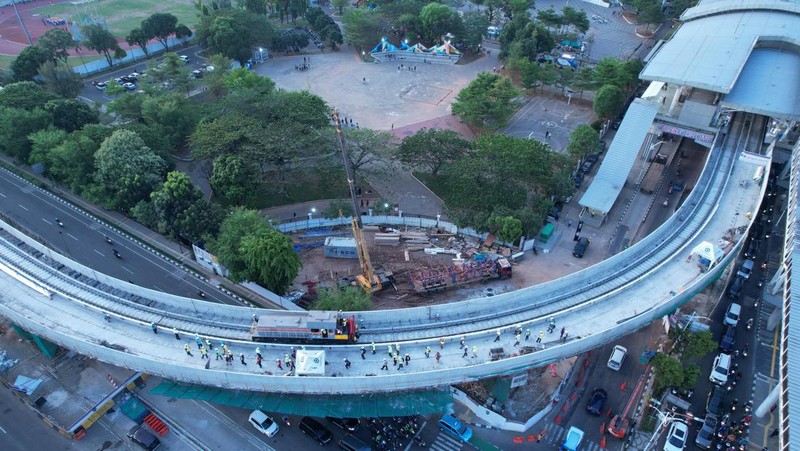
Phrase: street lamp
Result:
[260,55]
[438,217]
[650,150]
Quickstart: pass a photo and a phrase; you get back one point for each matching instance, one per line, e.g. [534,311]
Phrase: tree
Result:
[42,142]
[487,98]
[698,344]
[70,115]
[340,4]
[126,171]
[690,374]
[347,299]
[57,42]
[576,18]
[365,146]
[255,6]
[252,250]
[679,6]
[338,208]
[475,25]
[16,125]
[171,201]
[215,80]
[72,162]
[137,36]
[609,102]
[653,13]
[26,65]
[182,32]
[582,141]
[60,79]
[235,179]
[103,42]
[176,114]
[201,220]
[549,18]
[668,372]
[438,20]
[241,78]
[432,149]
[160,26]
[25,95]
[362,28]
[234,33]
[507,228]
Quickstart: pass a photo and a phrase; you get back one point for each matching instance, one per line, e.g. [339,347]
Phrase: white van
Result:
[617,357]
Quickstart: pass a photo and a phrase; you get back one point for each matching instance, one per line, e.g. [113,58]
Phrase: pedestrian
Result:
[391,351]
[373,348]
[441,343]
[293,353]
[154,327]
[497,336]
[258,361]
[286,359]
[198,341]
[463,339]
[208,343]
[392,126]
[427,351]
[527,334]
[397,347]
[177,335]
[278,361]
[564,338]
[107,317]
[363,353]
[516,339]
[219,354]
[563,329]
[774,433]
[438,356]
[540,337]
[518,330]
[346,364]
[203,352]
[407,359]
[385,364]
[364,80]
[394,358]
[474,352]
[255,318]
[186,348]
[241,357]
[552,327]
[465,352]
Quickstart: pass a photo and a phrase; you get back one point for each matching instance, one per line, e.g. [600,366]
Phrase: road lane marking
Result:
[70,235]
[102,254]
[23,207]
[126,269]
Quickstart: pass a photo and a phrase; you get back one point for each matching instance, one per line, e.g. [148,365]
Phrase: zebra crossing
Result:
[555,435]
[445,442]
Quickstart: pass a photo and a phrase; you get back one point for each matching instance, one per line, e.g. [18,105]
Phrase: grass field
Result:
[123,15]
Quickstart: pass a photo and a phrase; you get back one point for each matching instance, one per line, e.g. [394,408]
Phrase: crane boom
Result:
[368,280]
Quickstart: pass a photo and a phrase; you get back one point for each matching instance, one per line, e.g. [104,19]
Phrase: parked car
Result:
[586,167]
[346,424]
[617,357]
[597,401]
[315,430]
[706,434]
[184,58]
[264,423]
[752,247]
[129,86]
[573,440]
[676,438]
[144,438]
[580,247]
[735,290]
[720,369]
[716,400]
[746,269]
[455,427]
[578,178]
[593,158]
[100,85]
[732,314]
[197,73]
[728,339]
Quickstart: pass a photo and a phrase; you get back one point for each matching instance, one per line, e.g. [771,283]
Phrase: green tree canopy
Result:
[234,33]
[126,171]
[171,201]
[137,36]
[70,114]
[487,98]
[698,344]
[26,65]
[432,149]
[348,299]
[182,32]
[57,42]
[362,27]
[235,179]
[251,250]
[103,42]
[25,95]
[60,79]
[582,141]
[72,162]
[669,372]
[438,20]
[160,26]
[15,126]
[507,228]
[475,25]
[609,101]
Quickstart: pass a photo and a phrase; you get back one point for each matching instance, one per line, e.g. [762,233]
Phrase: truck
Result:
[653,176]
[481,269]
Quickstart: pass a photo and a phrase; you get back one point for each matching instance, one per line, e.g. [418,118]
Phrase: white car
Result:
[264,423]
[617,357]
[676,439]
[732,314]
[720,369]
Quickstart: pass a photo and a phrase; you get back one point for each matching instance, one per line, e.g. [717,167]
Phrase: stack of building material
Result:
[387,239]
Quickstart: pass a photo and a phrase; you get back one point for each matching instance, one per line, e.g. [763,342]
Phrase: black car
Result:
[346,424]
[587,166]
[578,178]
[716,400]
[735,290]
[705,436]
[580,247]
[728,339]
[593,158]
[144,438]
[597,401]
[315,430]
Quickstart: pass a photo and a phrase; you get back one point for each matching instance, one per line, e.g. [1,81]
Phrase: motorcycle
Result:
[761,282]
[201,294]
[747,408]
[286,421]
[108,240]
[60,224]
[418,440]
[116,254]
[756,302]
[749,324]
[745,350]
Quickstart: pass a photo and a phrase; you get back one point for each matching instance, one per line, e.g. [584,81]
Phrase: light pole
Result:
[650,150]
[310,215]
[260,55]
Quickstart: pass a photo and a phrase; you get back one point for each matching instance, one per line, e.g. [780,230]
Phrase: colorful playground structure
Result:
[445,53]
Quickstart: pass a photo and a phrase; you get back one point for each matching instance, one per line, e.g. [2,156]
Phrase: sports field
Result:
[121,15]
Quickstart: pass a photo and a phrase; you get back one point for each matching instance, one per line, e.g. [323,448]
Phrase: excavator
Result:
[370,279]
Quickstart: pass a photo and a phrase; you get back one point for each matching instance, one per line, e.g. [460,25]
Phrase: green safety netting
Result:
[423,402]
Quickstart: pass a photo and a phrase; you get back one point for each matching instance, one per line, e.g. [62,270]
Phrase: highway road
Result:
[82,239]
[22,430]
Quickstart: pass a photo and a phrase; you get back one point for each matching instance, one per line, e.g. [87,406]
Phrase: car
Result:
[578,178]
[264,423]
[184,58]
[134,76]
[617,357]
[615,125]
[315,430]
[580,247]
[720,369]
[735,290]
[732,314]
[455,427]
[676,438]
[573,440]
[120,81]
[728,339]
[596,402]
[101,85]
[716,400]
[144,438]
[706,434]
[129,86]
[593,158]
[345,424]
[586,167]
[197,73]
[746,269]
[752,247]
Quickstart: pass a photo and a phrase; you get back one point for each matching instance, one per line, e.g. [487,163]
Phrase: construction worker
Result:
[187,349]
[474,352]
[497,337]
